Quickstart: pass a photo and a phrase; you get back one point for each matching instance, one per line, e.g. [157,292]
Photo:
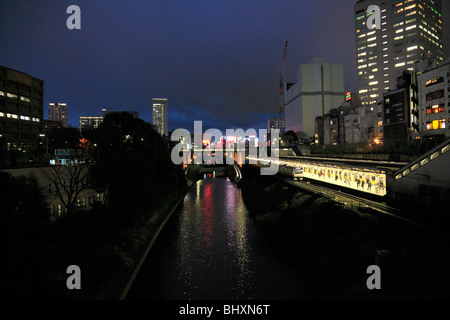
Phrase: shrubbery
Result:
[131,163]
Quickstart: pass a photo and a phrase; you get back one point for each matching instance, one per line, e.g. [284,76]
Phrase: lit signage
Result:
[348,96]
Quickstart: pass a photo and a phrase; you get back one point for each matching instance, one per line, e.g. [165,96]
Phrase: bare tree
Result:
[69,181]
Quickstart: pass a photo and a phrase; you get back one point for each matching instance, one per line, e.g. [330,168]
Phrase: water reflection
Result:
[211,250]
[236,217]
[212,243]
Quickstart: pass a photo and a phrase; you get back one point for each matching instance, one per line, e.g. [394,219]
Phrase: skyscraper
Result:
[160,115]
[58,112]
[409,30]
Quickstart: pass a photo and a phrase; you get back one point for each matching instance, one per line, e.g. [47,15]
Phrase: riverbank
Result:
[155,226]
[332,247]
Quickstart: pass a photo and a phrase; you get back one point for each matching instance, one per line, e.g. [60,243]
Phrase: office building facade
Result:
[319,88]
[58,112]
[21,108]
[160,115]
[434,101]
[410,29]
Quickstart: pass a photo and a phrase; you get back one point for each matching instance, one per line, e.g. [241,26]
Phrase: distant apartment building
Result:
[434,101]
[58,112]
[93,122]
[410,29]
[21,108]
[276,123]
[160,115]
[319,88]
[87,123]
[350,123]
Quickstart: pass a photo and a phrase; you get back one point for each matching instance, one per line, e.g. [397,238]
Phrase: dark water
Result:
[210,249]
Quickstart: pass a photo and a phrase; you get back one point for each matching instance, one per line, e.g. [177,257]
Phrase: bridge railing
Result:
[423,160]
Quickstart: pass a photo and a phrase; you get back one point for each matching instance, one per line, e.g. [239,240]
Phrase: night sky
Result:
[216,61]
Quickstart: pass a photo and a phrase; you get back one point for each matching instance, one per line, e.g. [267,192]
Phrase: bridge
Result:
[424,181]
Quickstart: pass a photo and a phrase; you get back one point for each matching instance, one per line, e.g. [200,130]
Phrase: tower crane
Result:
[281,98]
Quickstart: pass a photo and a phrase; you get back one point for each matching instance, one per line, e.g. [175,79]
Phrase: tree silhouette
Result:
[132,164]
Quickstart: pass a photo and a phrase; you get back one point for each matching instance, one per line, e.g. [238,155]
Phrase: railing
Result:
[423,160]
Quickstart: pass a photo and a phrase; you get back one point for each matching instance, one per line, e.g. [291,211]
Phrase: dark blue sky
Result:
[216,61]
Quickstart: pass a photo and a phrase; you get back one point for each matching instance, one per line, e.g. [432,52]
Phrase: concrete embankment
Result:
[332,247]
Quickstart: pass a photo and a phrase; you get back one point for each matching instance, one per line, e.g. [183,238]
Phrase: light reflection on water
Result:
[210,250]
[212,244]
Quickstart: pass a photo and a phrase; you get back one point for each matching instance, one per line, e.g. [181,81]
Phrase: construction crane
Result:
[281,99]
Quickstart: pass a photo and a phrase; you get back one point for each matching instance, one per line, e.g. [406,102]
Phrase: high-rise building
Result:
[319,88]
[410,29]
[21,108]
[160,115]
[58,112]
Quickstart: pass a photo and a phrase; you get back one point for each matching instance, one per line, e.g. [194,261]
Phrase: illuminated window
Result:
[401,64]
[11,95]
[25,99]
[434,81]
[12,116]
[436,124]
[436,109]
[26,118]
[380,124]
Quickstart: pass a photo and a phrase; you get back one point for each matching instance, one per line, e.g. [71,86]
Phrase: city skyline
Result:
[216,62]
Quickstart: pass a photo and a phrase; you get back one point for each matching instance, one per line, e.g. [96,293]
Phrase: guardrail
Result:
[362,203]
[423,160]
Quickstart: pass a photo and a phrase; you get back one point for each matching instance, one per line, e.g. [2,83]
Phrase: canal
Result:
[211,250]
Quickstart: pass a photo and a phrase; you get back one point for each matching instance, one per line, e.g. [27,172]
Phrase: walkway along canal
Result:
[211,250]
